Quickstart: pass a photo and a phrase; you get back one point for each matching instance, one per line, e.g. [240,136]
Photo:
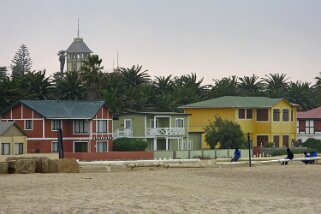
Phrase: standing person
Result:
[289,156]
[237,155]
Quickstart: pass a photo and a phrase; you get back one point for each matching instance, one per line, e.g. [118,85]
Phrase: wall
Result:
[111,156]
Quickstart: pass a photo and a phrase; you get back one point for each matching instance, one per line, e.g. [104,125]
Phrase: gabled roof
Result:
[78,46]
[311,114]
[236,102]
[65,109]
[4,126]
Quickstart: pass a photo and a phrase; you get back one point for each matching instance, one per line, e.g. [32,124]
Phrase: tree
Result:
[250,86]
[225,133]
[135,76]
[301,93]
[21,62]
[276,85]
[70,87]
[227,86]
[37,84]
[92,75]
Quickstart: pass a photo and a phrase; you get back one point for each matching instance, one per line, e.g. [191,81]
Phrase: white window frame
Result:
[80,141]
[15,148]
[152,123]
[263,121]
[176,122]
[289,115]
[131,123]
[98,142]
[2,148]
[53,124]
[84,127]
[52,146]
[31,123]
[245,113]
[97,126]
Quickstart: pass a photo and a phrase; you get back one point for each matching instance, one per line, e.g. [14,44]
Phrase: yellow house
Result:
[267,120]
[13,141]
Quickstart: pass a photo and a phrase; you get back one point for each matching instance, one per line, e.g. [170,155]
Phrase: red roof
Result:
[312,114]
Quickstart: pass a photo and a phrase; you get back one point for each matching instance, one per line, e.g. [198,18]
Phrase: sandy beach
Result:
[261,189]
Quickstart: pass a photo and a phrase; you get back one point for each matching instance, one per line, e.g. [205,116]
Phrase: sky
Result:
[211,38]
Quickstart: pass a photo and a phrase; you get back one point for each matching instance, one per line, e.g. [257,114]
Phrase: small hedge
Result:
[313,144]
[280,152]
[126,144]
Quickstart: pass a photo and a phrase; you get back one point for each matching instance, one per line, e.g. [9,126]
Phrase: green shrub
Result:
[270,144]
[279,152]
[126,144]
[313,144]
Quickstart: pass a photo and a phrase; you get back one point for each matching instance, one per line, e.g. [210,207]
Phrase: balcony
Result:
[152,132]
[121,133]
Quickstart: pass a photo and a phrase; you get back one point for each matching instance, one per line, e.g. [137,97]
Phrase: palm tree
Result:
[301,93]
[227,86]
[250,86]
[70,86]
[92,75]
[37,84]
[276,85]
[134,75]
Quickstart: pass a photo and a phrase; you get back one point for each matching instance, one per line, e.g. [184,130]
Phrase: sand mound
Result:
[67,165]
[3,168]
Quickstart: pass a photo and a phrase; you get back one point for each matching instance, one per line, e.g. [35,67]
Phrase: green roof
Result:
[65,109]
[235,102]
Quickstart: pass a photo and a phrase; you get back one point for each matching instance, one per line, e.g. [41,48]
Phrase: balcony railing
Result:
[164,132]
[120,133]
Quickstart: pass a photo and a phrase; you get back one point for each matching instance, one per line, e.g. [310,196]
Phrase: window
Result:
[276,140]
[18,148]
[291,115]
[101,146]
[249,113]
[152,124]
[285,140]
[301,125]
[262,114]
[81,126]
[245,113]
[55,125]
[317,126]
[54,146]
[285,115]
[28,125]
[5,148]
[276,114]
[180,122]
[241,113]
[128,124]
[81,147]
[101,126]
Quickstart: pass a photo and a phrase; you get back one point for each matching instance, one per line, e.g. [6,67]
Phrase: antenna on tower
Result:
[117,60]
[78,29]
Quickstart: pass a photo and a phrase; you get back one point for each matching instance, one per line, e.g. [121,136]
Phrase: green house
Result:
[162,130]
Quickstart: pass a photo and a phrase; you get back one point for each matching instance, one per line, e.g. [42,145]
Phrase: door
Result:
[262,140]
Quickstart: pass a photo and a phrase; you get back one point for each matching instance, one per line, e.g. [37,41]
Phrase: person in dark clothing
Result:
[237,155]
[306,155]
[289,156]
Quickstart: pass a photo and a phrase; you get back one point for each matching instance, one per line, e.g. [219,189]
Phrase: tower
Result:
[76,53]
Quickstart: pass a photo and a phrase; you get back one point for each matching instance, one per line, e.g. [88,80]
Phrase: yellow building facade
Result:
[13,141]
[267,120]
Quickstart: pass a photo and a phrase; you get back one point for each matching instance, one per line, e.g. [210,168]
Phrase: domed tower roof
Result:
[78,46]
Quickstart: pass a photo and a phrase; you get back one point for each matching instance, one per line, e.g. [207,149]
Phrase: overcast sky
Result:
[211,38]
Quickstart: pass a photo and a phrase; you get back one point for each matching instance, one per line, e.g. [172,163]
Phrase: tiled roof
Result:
[4,126]
[311,114]
[154,113]
[67,109]
[78,46]
[235,102]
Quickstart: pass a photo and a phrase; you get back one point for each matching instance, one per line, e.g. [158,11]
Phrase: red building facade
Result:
[86,125]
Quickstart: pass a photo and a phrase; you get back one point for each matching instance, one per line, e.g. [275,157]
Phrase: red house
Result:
[86,125]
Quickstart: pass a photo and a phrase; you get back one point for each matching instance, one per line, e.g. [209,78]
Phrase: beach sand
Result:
[295,188]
